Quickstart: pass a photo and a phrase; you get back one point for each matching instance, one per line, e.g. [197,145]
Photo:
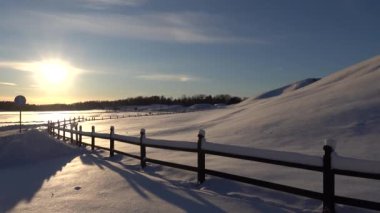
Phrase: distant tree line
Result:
[133,101]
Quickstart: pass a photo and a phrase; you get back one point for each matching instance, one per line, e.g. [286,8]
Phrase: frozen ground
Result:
[344,106]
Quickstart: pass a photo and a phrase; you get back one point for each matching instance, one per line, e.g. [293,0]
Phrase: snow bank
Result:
[30,147]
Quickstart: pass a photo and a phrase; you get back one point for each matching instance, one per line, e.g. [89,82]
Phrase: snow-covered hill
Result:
[344,106]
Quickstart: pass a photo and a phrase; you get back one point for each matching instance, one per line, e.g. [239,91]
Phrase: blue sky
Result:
[112,49]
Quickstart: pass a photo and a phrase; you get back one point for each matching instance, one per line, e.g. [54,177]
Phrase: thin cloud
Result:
[8,84]
[167,77]
[185,27]
[103,4]
[35,66]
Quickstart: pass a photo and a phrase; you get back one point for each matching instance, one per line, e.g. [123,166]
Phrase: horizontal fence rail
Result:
[329,165]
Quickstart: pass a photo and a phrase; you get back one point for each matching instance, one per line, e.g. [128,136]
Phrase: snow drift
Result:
[31,147]
[288,88]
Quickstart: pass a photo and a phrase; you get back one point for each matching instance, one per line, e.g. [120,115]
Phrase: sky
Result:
[54,51]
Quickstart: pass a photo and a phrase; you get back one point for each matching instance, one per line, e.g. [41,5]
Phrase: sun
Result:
[54,72]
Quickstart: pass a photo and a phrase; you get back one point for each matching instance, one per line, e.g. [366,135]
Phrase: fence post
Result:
[76,134]
[53,128]
[58,130]
[64,129]
[142,149]
[80,136]
[92,137]
[112,141]
[328,181]
[71,134]
[50,127]
[201,157]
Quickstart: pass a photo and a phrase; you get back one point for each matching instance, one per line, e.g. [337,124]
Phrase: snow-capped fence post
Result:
[201,157]
[80,136]
[112,141]
[92,137]
[328,181]
[142,149]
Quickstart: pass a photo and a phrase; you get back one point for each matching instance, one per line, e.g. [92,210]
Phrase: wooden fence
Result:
[328,197]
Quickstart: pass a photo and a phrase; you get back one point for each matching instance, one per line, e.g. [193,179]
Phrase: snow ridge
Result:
[288,88]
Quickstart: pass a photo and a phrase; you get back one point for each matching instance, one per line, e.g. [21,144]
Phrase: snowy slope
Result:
[344,106]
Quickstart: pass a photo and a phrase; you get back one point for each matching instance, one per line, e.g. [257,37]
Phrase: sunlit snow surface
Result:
[344,106]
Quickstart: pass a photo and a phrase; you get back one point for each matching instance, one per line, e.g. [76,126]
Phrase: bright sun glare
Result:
[54,71]
[54,74]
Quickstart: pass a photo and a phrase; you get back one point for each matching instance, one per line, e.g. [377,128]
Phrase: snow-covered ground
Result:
[344,106]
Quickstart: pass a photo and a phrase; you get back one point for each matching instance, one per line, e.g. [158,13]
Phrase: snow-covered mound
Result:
[287,88]
[31,147]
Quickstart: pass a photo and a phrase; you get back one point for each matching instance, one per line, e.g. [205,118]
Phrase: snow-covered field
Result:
[344,106]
